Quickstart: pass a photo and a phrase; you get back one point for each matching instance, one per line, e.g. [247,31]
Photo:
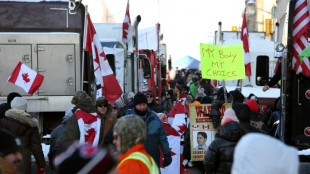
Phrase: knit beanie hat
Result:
[84,158]
[132,130]
[189,98]
[243,112]
[238,96]
[201,93]
[80,96]
[229,115]
[252,105]
[139,98]
[19,103]
[11,96]
[9,143]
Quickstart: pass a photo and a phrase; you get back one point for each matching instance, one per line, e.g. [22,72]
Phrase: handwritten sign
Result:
[222,62]
[201,129]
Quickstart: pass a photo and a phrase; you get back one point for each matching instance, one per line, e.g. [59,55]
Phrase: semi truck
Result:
[47,36]
[142,65]
[295,87]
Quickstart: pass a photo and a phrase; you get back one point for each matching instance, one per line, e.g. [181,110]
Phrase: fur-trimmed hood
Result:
[21,116]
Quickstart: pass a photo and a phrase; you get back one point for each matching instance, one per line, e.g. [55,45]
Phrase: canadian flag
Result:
[26,78]
[177,117]
[103,72]
[195,126]
[205,126]
[89,126]
[246,50]
[127,27]
[174,144]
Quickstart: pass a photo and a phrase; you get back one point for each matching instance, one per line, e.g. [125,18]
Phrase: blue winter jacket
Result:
[156,135]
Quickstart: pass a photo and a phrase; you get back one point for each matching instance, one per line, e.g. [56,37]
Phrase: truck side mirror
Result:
[147,68]
[262,70]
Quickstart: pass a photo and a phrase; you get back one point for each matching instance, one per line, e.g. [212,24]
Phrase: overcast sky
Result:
[184,23]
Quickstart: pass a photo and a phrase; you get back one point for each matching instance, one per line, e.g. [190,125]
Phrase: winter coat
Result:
[154,106]
[219,157]
[6,167]
[56,133]
[3,108]
[133,166]
[156,135]
[109,120]
[193,89]
[26,129]
[72,131]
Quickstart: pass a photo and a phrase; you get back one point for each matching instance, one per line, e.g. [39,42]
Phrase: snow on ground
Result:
[258,91]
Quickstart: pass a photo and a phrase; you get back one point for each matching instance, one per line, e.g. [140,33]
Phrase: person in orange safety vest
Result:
[129,135]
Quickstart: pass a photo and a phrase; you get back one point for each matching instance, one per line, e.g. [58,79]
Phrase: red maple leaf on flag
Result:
[162,157]
[90,135]
[182,128]
[25,77]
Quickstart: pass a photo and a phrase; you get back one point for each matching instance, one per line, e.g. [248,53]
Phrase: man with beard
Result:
[156,135]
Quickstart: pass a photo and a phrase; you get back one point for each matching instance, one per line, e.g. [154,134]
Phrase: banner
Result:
[222,62]
[201,129]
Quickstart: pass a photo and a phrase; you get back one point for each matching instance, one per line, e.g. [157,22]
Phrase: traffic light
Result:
[268,26]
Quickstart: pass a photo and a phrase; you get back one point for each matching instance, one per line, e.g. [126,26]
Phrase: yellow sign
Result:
[201,129]
[222,62]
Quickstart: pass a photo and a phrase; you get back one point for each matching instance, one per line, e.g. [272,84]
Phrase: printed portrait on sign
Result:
[202,139]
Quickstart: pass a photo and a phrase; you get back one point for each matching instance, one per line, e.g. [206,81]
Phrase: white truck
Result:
[140,68]
[47,36]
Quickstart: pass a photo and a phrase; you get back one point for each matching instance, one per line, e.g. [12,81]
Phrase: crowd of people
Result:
[128,136]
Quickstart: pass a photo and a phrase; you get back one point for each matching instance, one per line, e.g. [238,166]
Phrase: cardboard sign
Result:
[222,62]
[201,129]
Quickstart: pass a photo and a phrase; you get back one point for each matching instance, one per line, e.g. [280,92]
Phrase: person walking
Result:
[152,104]
[219,157]
[104,109]
[129,134]
[156,135]
[84,125]
[6,106]
[56,133]
[22,125]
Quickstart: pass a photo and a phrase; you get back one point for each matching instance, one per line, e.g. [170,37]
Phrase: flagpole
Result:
[84,47]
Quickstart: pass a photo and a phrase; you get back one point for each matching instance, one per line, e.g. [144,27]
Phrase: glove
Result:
[265,88]
[40,170]
[167,159]
[215,113]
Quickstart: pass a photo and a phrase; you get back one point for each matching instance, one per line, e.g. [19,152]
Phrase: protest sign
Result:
[222,62]
[201,129]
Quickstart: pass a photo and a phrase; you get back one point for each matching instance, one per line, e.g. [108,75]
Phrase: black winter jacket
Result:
[219,157]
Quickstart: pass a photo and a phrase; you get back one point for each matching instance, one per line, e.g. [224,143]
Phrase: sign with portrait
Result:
[201,129]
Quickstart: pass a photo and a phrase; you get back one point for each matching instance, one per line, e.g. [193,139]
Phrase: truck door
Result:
[10,55]
[57,64]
